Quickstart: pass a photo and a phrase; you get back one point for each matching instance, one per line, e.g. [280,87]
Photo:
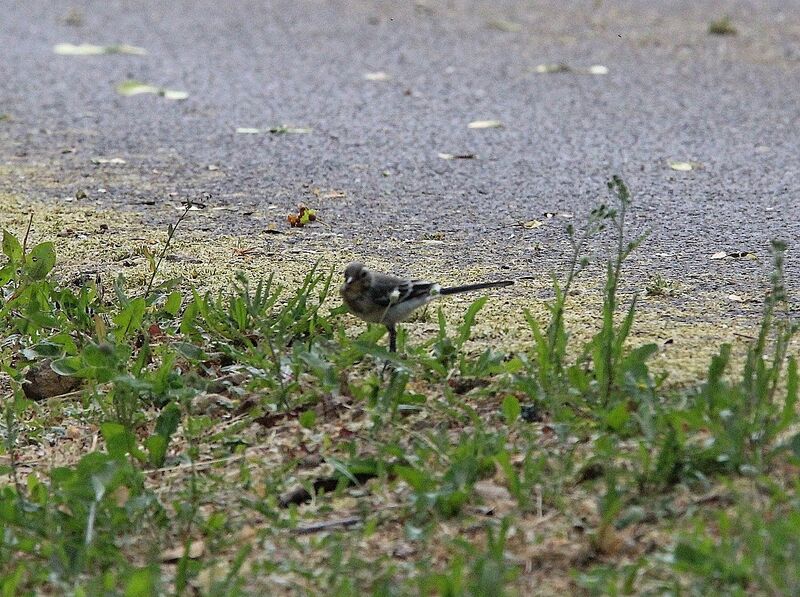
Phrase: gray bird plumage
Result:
[381,298]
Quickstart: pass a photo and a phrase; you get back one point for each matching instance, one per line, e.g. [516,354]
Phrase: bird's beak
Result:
[348,280]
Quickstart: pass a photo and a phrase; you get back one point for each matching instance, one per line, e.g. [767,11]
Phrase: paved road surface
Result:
[729,104]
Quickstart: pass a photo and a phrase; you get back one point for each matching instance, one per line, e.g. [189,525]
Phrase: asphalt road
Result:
[727,104]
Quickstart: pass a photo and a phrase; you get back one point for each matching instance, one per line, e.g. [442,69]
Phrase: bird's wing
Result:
[393,291]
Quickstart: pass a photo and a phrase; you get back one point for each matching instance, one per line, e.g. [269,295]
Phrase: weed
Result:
[658,285]
[723,26]
[608,448]
[474,572]
[752,551]
[747,416]
[551,344]
[606,367]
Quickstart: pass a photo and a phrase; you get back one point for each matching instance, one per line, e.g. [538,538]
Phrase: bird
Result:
[382,298]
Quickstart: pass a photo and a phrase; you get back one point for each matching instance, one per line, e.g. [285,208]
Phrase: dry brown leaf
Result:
[608,540]
[121,495]
[196,549]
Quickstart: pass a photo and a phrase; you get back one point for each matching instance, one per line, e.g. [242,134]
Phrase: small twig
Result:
[316,527]
[27,232]
[203,464]
[199,465]
[745,336]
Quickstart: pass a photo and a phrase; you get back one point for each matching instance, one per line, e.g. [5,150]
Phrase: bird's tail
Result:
[479,286]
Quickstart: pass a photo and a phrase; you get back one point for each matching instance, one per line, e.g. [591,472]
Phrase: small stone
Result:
[41,382]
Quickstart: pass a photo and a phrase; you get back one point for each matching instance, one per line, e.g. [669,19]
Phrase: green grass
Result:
[246,442]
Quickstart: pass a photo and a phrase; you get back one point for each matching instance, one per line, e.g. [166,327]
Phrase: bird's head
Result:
[357,278]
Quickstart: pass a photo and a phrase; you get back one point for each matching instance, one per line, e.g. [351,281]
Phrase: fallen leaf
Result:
[210,576]
[530,224]
[108,161]
[121,495]
[489,490]
[93,50]
[736,298]
[332,194]
[543,69]
[172,94]
[277,130]
[133,87]
[504,25]
[289,130]
[303,216]
[173,554]
[485,124]
[78,50]
[213,405]
[608,540]
[681,166]
[457,156]
[75,432]
[719,255]
[597,69]
[560,67]
[377,76]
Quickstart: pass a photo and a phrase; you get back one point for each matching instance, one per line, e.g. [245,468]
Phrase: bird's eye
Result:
[364,274]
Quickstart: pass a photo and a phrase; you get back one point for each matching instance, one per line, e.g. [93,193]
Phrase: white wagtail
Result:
[380,298]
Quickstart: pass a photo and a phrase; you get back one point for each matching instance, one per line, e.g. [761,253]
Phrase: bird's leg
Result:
[388,366]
